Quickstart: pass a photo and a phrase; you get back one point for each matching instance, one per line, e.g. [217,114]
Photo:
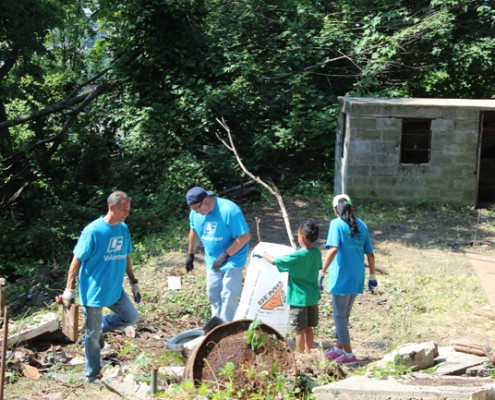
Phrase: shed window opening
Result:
[415,146]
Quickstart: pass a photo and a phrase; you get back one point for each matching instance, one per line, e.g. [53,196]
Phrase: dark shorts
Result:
[303,317]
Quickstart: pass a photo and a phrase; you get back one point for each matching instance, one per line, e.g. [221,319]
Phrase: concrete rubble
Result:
[437,385]
[32,327]
[416,356]
[418,387]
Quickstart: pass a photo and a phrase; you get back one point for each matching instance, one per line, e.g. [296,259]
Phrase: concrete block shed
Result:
[416,150]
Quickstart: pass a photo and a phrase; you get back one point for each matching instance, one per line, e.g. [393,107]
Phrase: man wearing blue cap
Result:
[220,225]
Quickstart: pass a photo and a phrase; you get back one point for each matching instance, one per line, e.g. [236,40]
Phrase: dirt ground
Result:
[408,244]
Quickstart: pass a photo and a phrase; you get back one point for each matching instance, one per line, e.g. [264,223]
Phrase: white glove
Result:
[136,292]
[68,297]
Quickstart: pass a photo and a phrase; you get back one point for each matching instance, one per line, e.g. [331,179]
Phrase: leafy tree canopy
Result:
[100,95]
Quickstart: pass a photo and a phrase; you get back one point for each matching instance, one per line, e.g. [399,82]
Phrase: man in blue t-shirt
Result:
[101,259]
[220,225]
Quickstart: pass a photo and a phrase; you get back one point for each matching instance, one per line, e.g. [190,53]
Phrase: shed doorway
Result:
[486,178]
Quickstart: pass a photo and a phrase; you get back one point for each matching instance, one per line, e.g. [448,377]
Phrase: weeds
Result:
[256,337]
[429,294]
[392,368]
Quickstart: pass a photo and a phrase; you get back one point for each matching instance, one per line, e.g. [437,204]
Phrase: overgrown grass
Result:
[430,293]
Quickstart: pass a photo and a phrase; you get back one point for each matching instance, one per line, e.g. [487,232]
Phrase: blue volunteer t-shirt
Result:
[102,249]
[347,270]
[218,229]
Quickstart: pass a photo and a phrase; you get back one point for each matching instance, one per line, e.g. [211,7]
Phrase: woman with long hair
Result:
[348,242]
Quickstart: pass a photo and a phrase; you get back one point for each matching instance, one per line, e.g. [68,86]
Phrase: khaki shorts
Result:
[303,317]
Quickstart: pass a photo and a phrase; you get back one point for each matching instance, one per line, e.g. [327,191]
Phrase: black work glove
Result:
[221,259]
[372,283]
[136,292]
[189,262]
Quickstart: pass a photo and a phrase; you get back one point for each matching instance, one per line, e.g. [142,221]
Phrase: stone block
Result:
[442,125]
[415,356]
[362,122]
[392,136]
[368,134]
[380,171]
[360,170]
[467,113]
[453,150]
[388,123]
[466,125]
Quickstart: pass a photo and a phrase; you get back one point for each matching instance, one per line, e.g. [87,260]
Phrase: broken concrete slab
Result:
[126,386]
[127,381]
[454,362]
[32,327]
[67,378]
[174,373]
[417,387]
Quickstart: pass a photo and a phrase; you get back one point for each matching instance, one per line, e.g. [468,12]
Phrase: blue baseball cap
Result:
[196,195]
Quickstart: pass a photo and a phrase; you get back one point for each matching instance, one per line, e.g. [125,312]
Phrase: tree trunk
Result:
[6,149]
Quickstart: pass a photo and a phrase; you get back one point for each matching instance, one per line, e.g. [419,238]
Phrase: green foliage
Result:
[130,347]
[255,337]
[392,368]
[142,360]
[167,69]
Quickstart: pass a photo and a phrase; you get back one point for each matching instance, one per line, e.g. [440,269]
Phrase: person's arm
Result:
[68,296]
[75,265]
[193,242]
[331,253]
[371,262]
[238,243]
[372,282]
[129,270]
[268,258]
[136,291]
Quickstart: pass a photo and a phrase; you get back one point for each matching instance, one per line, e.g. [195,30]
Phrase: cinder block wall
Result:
[371,168]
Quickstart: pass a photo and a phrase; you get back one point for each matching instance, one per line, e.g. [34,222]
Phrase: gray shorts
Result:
[303,317]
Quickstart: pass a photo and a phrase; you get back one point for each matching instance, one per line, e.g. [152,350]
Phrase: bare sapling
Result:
[272,188]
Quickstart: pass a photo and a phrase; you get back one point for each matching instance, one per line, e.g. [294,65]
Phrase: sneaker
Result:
[332,354]
[344,359]
[95,380]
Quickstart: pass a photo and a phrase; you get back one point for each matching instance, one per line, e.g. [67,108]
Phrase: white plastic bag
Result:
[265,289]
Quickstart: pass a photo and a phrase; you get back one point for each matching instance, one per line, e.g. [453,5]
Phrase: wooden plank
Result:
[468,349]
[2,300]
[70,322]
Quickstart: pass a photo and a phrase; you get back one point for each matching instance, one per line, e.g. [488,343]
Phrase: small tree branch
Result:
[272,189]
[72,118]
[65,104]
